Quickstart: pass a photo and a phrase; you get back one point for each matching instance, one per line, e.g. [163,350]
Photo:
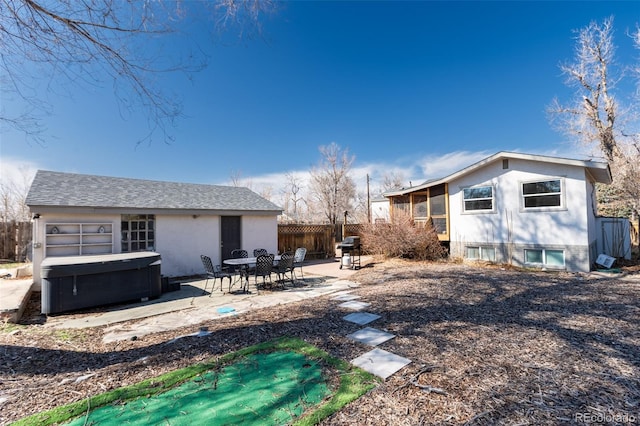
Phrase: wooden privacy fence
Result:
[319,240]
[348,230]
[15,239]
[352,229]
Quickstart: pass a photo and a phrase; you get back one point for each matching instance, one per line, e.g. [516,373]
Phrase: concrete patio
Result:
[320,277]
[191,305]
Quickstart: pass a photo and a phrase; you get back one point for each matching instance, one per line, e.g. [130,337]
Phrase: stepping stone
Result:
[361,318]
[380,362]
[202,333]
[356,306]
[346,297]
[371,336]
[340,293]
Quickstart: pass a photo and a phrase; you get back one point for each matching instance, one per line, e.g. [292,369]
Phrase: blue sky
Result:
[419,88]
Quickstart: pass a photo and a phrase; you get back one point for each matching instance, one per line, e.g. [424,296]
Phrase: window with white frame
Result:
[138,232]
[478,198]
[544,257]
[481,253]
[546,193]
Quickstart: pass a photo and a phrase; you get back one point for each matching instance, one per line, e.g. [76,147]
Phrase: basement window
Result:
[481,253]
[544,257]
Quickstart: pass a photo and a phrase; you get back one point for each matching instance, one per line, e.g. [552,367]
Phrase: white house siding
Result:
[380,210]
[591,212]
[509,226]
[181,239]
[259,232]
[39,238]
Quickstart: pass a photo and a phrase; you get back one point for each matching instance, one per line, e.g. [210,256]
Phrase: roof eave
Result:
[35,208]
[600,172]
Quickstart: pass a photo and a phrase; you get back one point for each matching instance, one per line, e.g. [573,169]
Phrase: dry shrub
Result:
[403,238]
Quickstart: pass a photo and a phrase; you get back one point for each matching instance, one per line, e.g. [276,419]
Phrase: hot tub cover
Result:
[95,264]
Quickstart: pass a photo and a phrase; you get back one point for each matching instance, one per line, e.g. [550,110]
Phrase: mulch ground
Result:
[488,346]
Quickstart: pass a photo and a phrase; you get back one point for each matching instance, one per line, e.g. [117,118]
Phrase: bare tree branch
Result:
[331,184]
[592,117]
[97,40]
[595,116]
[392,181]
[293,198]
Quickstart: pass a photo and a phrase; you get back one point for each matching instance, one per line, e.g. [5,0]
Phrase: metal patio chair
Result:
[242,270]
[257,252]
[213,272]
[264,268]
[239,253]
[284,268]
[298,260]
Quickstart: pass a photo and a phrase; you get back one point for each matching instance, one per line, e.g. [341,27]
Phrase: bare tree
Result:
[266,192]
[591,117]
[360,209]
[595,116]
[391,181]
[13,196]
[94,41]
[293,199]
[331,185]
[236,178]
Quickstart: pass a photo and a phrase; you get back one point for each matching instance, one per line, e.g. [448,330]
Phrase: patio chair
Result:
[257,252]
[239,253]
[213,272]
[241,270]
[285,266]
[298,259]
[264,267]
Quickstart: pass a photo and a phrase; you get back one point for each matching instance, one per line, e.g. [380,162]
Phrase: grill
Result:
[350,248]
[349,244]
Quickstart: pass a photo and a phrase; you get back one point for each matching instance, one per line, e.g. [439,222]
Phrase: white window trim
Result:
[480,250]
[130,241]
[479,211]
[563,204]
[544,258]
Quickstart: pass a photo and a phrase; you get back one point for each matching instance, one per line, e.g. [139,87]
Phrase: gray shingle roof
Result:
[598,170]
[77,190]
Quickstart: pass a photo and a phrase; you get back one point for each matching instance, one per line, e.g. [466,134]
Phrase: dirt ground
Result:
[488,346]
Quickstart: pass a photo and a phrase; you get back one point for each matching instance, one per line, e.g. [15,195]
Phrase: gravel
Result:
[488,345]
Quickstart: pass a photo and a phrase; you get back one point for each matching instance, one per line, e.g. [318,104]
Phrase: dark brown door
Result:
[229,235]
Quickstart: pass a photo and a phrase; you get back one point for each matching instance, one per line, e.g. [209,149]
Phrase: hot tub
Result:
[76,282]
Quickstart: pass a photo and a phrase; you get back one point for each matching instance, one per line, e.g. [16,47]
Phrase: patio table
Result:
[246,263]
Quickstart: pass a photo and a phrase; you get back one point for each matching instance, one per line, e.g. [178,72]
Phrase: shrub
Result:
[403,238]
